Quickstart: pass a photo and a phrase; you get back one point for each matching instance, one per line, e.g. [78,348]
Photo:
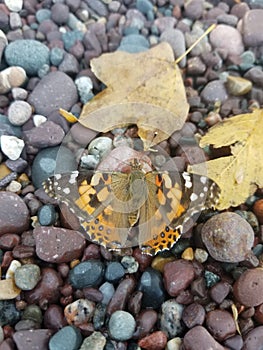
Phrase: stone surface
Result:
[27,276]
[67,338]
[214,91]
[233,45]
[32,339]
[121,325]
[14,214]
[253,27]
[58,245]
[171,315]
[48,96]
[254,339]
[87,274]
[79,312]
[199,338]
[11,146]
[193,315]
[155,341]
[220,324]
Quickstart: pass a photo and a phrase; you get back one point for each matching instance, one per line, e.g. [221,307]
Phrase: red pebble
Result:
[154,341]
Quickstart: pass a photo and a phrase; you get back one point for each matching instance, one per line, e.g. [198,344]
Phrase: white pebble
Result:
[19,93]
[11,146]
[15,21]
[2,337]
[12,268]
[19,112]
[174,344]
[14,5]
[100,146]
[11,77]
[39,119]
[14,186]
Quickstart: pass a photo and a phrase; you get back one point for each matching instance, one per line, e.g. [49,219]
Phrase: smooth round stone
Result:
[253,27]
[219,292]
[233,45]
[54,317]
[121,325]
[84,86]
[59,13]
[235,342]
[33,313]
[56,56]
[7,128]
[47,215]
[11,77]
[193,315]
[151,284]
[27,276]
[100,146]
[176,39]
[19,93]
[14,214]
[58,245]
[9,315]
[9,240]
[37,338]
[199,338]
[68,338]
[42,15]
[79,312]
[19,112]
[87,274]
[248,288]
[39,119]
[14,5]
[194,9]
[238,86]
[220,324]
[254,339]
[255,75]
[96,341]
[69,65]
[107,290]
[171,315]
[144,6]
[46,164]
[48,95]
[28,54]
[11,146]
[228,237]
[156,340]
[177,276]
[134,43]
[114,272]
[214,91]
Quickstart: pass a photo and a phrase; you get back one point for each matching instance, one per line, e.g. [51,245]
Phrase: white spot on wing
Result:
[193,197]
[66,190]
[57,176]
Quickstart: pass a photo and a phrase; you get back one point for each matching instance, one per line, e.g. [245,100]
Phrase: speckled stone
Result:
[28,54]
[96,341]
[58,245]
[9,315]
[79,312]
[121,325]
[32,339]
[170,320]
[48,96]
[67,338]
[27,276]
[214,91]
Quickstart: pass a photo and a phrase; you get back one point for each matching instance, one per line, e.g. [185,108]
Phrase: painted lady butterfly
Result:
[121,209]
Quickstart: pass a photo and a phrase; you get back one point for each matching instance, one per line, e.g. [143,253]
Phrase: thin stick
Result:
[212,27]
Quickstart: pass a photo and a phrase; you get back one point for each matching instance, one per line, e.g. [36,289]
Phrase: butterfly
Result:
[133,207]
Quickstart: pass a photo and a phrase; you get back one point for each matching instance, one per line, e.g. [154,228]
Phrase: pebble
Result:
[194,9]
[14,5]
[177,41]
[121,325]
[46,215]
[107,289]
[31,55]
[121,295]
[236,237]
[56,56]
[211,278]
[46,163]
[47,134]
[27,276]
[14,186]
[145,322]
[96,341]
[14,214]
[130,264]
[155,341]
[174,344]
[134,43]
[79,312]
[193,315]
[9,240]
[114,272]
[234,343]
[254,339]
[255,75]
[144,6]
[151,285]
[67,338]
[248,288]
[9,315]
[171,316]
[19,93]
[54,318]
[177,276]
[59,13]
[233,45]
[87,274]
[220,324]
[19,112]
[238,86]
[200,255]
[199,338]
[252,28]
[47,290]
[32,339]
[69,64]
[11,146]
[84,86]
[48,96]
[11,77]
[214,91]
[220,291]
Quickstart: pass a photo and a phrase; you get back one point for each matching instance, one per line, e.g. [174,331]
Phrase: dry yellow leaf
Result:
[144,88]
[239,174]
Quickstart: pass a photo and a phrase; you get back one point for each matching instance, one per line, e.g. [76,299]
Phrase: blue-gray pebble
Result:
[134,43]
[67,338]
[56,56]
[87,274]
[114,272]
[47,215]
[28,54]
[7,128]
[151,284]
[42,15]
[47,163]
[121,325]
[144,6]
[8,313]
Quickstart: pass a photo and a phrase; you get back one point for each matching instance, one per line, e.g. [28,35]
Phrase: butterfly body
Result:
[134,207]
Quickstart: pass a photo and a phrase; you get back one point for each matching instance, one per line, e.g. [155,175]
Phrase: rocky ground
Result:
[70,293]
